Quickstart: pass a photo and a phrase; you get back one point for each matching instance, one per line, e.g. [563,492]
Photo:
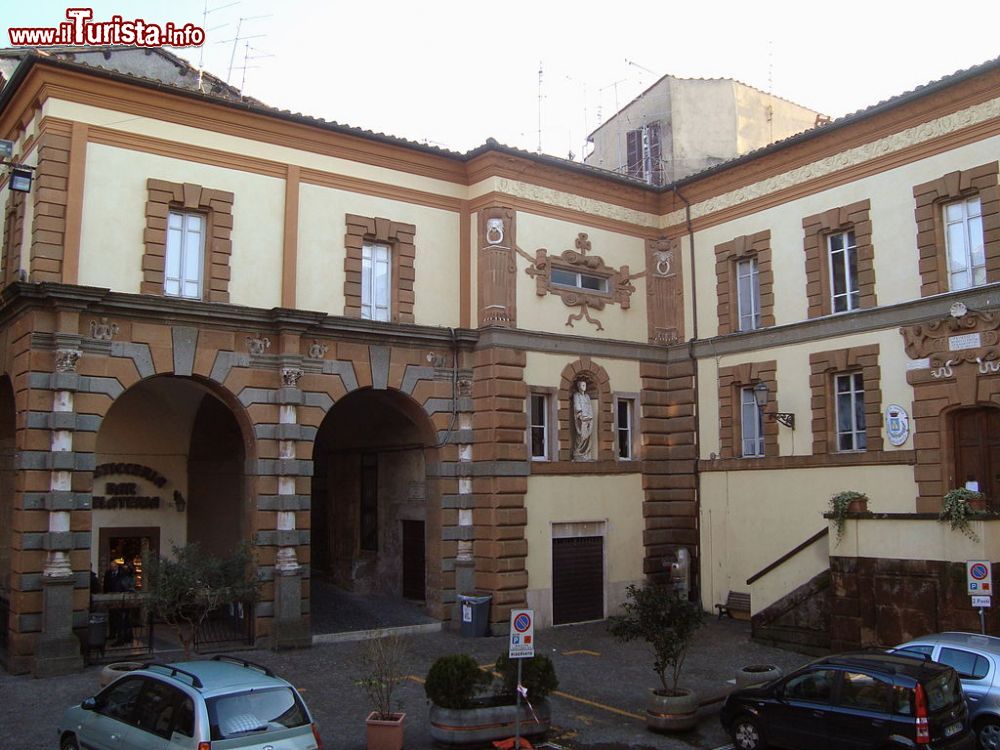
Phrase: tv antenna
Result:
[540,97]
[237,39]
[247,57]
[204,25]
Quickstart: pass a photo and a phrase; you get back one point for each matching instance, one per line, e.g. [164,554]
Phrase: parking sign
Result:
[979,577]
[522,634]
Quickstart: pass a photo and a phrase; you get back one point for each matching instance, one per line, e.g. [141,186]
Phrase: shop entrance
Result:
[370,507]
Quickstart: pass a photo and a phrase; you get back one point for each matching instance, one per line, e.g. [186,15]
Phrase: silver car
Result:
[191,706]
[976,658]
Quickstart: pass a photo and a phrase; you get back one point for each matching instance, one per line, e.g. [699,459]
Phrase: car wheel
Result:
[747,735]
[69,743]
[988,734]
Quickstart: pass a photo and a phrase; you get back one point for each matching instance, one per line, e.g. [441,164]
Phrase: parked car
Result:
[854,701]
[976,658]
[190,705]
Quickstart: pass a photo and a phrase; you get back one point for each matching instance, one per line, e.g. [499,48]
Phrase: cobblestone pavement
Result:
[601,697]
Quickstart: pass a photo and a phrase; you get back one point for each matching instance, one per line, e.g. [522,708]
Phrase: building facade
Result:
[680,126]
[425,374]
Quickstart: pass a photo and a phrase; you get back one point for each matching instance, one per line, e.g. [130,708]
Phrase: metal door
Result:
[414,561]
[577,579]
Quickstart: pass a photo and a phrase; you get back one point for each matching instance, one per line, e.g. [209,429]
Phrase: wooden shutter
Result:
[634,153]
[653,130]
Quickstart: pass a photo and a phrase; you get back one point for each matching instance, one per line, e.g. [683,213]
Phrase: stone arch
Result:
[376,474]
[597,382]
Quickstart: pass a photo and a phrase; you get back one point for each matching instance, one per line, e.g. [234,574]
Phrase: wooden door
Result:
[977,450]
[414,562]
[577,579]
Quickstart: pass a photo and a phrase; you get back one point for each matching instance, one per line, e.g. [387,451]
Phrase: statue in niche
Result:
[583,420]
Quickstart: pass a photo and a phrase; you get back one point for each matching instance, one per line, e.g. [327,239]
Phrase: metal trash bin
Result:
[475,614]
[97,630]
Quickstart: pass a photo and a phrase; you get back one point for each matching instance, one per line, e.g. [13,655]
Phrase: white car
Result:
[192,705]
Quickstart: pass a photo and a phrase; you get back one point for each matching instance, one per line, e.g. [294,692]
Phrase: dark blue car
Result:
[872,699]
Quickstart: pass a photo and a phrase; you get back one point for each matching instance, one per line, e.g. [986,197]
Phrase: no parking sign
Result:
[522,634]
[979,577]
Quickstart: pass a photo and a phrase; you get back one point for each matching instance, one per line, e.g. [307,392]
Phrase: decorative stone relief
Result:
[318,350]
[258,345]
[290,376]
[103,331]
[66,359]
[664,291]
[965,336]
[619,287]
[497,267]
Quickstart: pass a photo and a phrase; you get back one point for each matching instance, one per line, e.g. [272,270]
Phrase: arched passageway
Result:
[170,471]
[371,522]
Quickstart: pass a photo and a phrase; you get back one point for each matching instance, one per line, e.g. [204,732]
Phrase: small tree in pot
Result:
[382,663]
[667,622]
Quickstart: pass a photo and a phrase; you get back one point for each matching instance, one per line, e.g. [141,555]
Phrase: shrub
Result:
[454,680]
[382,663]
[538,675]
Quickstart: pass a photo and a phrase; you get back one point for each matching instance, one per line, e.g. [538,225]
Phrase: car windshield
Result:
[943,691]
[239,714]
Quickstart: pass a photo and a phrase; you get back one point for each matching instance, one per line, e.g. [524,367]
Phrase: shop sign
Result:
[897,424]
[126,495]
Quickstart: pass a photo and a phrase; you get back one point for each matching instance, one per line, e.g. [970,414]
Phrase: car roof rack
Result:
[243,663]
[174,671]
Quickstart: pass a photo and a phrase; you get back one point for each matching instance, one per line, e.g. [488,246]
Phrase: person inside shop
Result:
[124,583]
[109,586]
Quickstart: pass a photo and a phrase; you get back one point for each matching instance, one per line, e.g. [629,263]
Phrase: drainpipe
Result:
[696,572]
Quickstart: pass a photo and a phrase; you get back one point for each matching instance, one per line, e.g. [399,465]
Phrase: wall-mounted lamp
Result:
[179,502]
[760,394]
[20,178]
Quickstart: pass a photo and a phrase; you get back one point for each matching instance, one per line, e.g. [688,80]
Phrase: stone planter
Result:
[482,725]
[754,674]
[385,734]
[117,669]
[672,713]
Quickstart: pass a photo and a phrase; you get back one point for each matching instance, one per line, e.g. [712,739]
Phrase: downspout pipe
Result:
[696,570]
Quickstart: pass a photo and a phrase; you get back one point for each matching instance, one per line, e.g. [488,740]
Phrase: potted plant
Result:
[847,501]
[958,505]
[667,622]
[382,661]
[464,712]
[754,674]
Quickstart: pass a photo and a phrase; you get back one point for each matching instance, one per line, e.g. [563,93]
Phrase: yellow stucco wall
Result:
[615,501]
[546,369]
[893,234]
[751,518]
[793,390]
[548,313]
[321,252]
[114,218]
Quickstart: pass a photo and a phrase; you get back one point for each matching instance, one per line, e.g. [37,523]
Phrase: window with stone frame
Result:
[846,400]
[849,405]
[952,213]
[390,252]
[173,210]
[744,283]
[541,424]
[746,431]
[840,270]
[625,426]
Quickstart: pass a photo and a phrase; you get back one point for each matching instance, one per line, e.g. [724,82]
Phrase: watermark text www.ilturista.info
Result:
[80,29]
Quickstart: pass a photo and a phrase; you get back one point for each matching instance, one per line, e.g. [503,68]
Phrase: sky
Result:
[541,75]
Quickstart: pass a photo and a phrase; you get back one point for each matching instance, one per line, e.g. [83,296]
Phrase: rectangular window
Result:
[963,225]
[586,281]
[185,255]
[751,423]
[748,294]
[850,400]
[624,411]
[375,300]
[844,271]
[539,427]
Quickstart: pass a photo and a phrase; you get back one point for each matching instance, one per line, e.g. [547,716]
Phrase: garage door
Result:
[577,579]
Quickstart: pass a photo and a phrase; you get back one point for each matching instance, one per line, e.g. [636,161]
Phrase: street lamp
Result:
[760,395]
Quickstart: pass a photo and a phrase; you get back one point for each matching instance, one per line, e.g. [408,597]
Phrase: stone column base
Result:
[290,628]
[57,651]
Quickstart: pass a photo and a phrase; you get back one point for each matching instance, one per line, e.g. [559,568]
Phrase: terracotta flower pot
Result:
[858,506]
[385,734]
[977,504]
[672,713]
